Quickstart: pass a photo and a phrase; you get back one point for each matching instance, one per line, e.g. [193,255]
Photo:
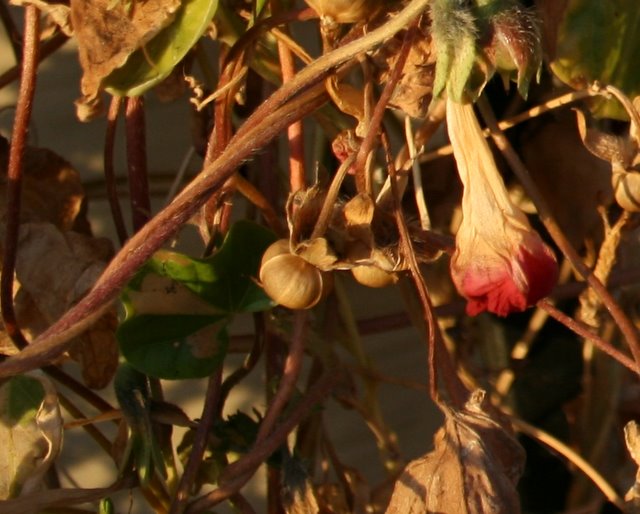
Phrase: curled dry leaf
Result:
[31,434]
[59,13]
[58,260]
[622,153]
[55,269]
[473,469]
[109,31]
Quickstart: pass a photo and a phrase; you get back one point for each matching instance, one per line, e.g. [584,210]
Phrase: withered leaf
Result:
[413,92]
[55,269]
[473,469]
[51,189]
[109,31]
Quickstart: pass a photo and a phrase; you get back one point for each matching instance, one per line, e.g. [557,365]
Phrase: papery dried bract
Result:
[473,469]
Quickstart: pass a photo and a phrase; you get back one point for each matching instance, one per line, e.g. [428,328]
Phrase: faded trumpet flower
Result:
[500,263]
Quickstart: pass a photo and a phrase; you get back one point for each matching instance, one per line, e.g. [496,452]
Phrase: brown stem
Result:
[109,171]
[439,359]
[378,112]
[585,331]
[79,389]
[209,414]
[295,135]
[93,431]
[290,373]
[238,473]
[249,363]
[137,162]
[625,325]
[285,105]
[14,172]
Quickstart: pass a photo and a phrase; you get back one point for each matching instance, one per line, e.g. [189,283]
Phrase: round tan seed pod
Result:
[626,187]
[279,247]
[372,276]
[291,281]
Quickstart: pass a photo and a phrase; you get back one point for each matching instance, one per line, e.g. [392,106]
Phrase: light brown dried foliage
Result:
[412,94]
[109,31]
[473,469]
[58,260]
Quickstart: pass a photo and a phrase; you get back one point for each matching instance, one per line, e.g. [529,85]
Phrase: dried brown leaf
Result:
[413,92]
[55,269]
[473,468]
[51,189]
[109,31]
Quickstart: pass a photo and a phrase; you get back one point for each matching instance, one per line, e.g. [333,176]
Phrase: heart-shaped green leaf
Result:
[174,347]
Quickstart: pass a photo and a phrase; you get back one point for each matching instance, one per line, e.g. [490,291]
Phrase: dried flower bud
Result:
[500,264]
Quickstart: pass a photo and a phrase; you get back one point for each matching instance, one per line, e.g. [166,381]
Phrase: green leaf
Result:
[174,347]
[225,281]
[154,62]
[133,393]
[598,41]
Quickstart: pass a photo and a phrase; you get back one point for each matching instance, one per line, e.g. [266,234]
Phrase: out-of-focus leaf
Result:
[473,469]
[155,60]
[598,41]
[574,182]
[174,346]
[30,431]
[134,396]
[109,31]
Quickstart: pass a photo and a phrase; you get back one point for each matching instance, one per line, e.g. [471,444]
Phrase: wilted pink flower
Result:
[500,264]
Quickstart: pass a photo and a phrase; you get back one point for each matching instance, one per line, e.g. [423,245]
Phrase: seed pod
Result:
[372,276]
[344,11]
[626,187]
[291,281]
[279,247]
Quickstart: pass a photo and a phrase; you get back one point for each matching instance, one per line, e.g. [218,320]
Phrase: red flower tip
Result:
[495,283]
